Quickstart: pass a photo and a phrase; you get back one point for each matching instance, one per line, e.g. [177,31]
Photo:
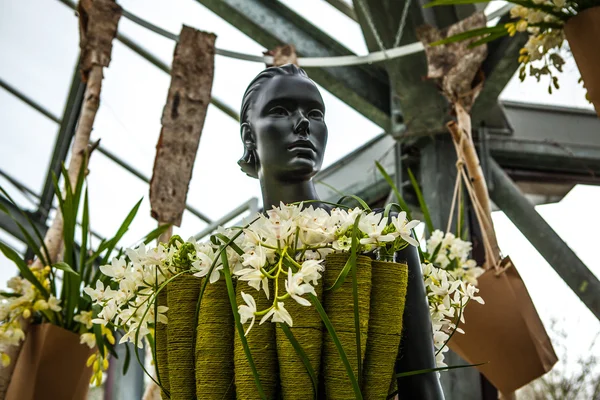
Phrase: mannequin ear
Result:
[248,137]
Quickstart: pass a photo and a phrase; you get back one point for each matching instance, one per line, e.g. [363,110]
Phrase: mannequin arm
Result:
[416,348]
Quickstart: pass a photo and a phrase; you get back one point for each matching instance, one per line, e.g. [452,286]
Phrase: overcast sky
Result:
[39,47]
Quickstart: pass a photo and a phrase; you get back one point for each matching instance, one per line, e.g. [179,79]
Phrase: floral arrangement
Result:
[273,270]
[543,20]
[54,292]
[451,282]
[289,242]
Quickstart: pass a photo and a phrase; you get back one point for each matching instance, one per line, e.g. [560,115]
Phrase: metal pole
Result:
[27,100]
[547,242]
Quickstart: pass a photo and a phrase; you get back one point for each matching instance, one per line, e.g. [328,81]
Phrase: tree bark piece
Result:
[455,66]
[98,20]
[182,123]
[282,55]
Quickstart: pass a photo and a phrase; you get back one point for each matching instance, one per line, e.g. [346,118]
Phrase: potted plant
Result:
[48,308]
[547,23]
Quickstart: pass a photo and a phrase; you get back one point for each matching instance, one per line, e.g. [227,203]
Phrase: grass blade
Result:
[427,370]
[360,201]
[155,234]
[122,229]
[353,267]
[85,227]
[390,181]
[422,203]
[319,307]
[65,267]
[238,324]
[23,268]
[302,355]
[351,260]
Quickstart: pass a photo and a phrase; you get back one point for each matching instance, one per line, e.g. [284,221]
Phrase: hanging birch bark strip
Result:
[182,123]
[98,20]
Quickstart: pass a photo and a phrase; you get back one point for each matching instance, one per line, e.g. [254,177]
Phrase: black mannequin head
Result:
[283,126]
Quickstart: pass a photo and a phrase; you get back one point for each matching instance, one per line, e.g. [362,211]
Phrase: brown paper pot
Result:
[389,282]
[582,32]
[51,366]
[339,306]
[506,333]
[308,331]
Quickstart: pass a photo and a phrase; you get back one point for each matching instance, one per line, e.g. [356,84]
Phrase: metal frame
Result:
[368,90]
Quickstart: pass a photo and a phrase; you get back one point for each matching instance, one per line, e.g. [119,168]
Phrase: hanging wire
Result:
[339,61]
[402,24]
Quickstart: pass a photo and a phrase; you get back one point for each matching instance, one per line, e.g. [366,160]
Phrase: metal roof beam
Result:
[364,88]
[549,244]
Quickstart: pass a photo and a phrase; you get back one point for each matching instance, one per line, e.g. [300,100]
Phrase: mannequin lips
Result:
[302,145]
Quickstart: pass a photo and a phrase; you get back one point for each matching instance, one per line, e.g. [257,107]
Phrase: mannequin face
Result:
[287,125]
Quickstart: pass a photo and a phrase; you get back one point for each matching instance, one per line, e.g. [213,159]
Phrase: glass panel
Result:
[331,21]
[39,43]
[27,139]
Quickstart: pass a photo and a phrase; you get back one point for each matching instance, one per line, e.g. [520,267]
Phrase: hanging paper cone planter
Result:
[51,365]
[505,333]
[388,295]
[582,32]
[262,343]
[339,306]
[182,298]
[162,357]
[308,331]
[214,344]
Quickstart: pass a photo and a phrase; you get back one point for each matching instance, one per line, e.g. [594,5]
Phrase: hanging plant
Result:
[547,23]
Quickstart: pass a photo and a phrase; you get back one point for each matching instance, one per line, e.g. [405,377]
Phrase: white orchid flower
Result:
[295,287]
[247,311]
[279,314]
[403,228]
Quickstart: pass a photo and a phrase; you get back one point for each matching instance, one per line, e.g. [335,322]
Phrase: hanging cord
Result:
[402,24]
[339,61]
[479,212]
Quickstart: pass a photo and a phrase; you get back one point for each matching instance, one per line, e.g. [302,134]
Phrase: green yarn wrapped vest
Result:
[308,331]
[162,343]
[214,344]
[181,299]
[262,343]
[388,295]
[339,306]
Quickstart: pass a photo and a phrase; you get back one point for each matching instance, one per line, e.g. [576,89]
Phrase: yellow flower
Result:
[521,26]
[91,360]
[511,28]
[5,359]
[108,334]
[26,313]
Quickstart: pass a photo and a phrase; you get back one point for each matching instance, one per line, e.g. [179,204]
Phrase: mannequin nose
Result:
[302,126]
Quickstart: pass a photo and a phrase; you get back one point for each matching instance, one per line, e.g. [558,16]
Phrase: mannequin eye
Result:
[316,114]
[279,111]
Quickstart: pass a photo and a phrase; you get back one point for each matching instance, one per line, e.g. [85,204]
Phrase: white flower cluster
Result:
[292,242]
[289,242]
[450,281]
